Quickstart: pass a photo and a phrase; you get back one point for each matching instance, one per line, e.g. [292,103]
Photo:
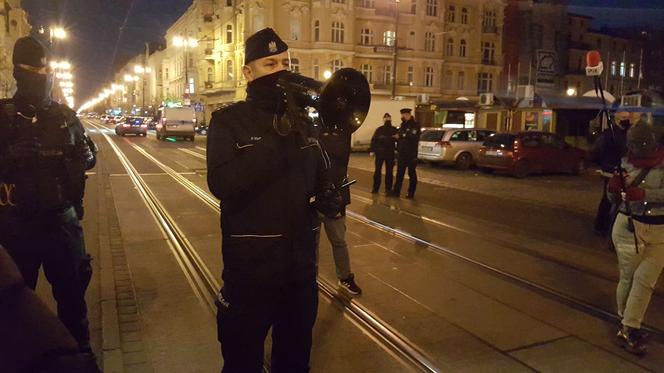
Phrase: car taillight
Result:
[144,125]
[126,125]
[443,143]
[194,120]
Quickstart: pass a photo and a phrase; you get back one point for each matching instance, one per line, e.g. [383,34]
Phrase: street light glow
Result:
[327,74]
[571,92]
[64,76]
[179,41]
[58,32]
[67,84]
[138,69]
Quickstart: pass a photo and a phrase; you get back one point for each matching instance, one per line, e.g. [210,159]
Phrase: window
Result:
[387,74]
[317,31]
[428,77]
[622,69]
[411,40]
[229,70]
[488,53]
[432,8]
[316,69]
[410,76]
[413,6]
[464,16]
[229,34]
[448,80]
[367,71]
[613,68]
[295,65]
[210,74]
[229,2]
[388,38]
[295,29]
[429,42]
[337,32]
[166,72]
[462,48]
[484,82]
[451,10]
[191,86]
[367,4]
[337,65]
[489,19]
[339,1]
[449,47]
[459,136]
[631,70]
[366,36]
[461,80]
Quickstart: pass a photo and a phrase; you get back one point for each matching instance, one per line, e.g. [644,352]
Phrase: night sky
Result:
[102,31]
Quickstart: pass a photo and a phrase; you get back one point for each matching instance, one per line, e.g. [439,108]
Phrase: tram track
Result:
[558,296]
[206,286]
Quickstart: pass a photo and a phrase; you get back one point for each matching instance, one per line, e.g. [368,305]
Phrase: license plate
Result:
[494,153]
[427,148]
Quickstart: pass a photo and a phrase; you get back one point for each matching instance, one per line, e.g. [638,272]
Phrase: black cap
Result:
[387,115]
[263,43]
[29,51]
[405,110]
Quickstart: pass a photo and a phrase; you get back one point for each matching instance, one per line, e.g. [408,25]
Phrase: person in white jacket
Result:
[638,237]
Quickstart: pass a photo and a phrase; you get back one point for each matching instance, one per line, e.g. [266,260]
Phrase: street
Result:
[478,273]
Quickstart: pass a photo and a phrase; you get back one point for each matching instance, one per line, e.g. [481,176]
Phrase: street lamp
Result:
[571,92]
[185,43]
[327,74]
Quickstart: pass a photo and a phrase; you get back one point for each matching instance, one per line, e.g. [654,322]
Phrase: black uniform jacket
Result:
[384,141]
[43,181]
[409,136]
[609,148]
[265,183]
[337,147]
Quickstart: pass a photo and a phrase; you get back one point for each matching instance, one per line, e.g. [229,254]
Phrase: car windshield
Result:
[134,120]
[432,135]
[502,141]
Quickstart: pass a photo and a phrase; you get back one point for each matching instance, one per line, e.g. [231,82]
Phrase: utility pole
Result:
[394,53]
[145,72]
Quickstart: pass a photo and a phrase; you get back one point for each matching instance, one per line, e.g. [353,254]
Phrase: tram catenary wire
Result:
[202,281]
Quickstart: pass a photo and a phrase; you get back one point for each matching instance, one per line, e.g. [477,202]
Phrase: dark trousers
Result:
[605,216]
[402,165]
[389,170]
[246,313]
[56,242]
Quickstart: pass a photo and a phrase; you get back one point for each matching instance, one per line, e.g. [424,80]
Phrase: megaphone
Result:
[342,102]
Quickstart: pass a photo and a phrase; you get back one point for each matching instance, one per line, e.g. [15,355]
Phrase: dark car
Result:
[525,153]
[134,125]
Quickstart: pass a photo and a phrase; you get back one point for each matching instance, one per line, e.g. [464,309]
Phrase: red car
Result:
[525,153]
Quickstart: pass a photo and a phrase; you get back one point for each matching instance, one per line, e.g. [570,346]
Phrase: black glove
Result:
[329,201]
[25,150]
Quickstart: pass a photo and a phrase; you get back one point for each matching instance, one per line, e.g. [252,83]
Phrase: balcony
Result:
[383,49]
[209,85]
[489,29]
[209,54]
[489,62]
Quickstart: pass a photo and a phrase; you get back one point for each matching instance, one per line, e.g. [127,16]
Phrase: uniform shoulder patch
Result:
[233,109]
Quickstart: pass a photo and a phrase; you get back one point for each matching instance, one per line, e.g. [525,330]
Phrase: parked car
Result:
[525,153]
[176,122]
[451,146]
[202,129]
[104,118]
[134,125]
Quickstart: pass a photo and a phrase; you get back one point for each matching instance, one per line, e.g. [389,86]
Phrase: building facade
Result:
[13,25]
[444,49]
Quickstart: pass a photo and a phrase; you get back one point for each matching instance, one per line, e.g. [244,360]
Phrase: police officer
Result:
[383,145]
[408,138]
[266,170]
[44,154]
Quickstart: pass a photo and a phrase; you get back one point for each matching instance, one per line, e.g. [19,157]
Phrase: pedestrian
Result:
[383,146]
[44,154]
[337,146]
[607,151]
[408,138]
[639,240]
[265,170]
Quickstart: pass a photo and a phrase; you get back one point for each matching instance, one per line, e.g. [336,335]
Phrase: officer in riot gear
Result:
[44,153]
[267,171]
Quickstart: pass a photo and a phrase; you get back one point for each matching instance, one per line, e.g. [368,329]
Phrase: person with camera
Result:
[270,174]
[44,153]
[408,140]
[638,232]
[383,147]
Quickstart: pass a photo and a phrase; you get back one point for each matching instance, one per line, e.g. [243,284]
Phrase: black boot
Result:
[632,340]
